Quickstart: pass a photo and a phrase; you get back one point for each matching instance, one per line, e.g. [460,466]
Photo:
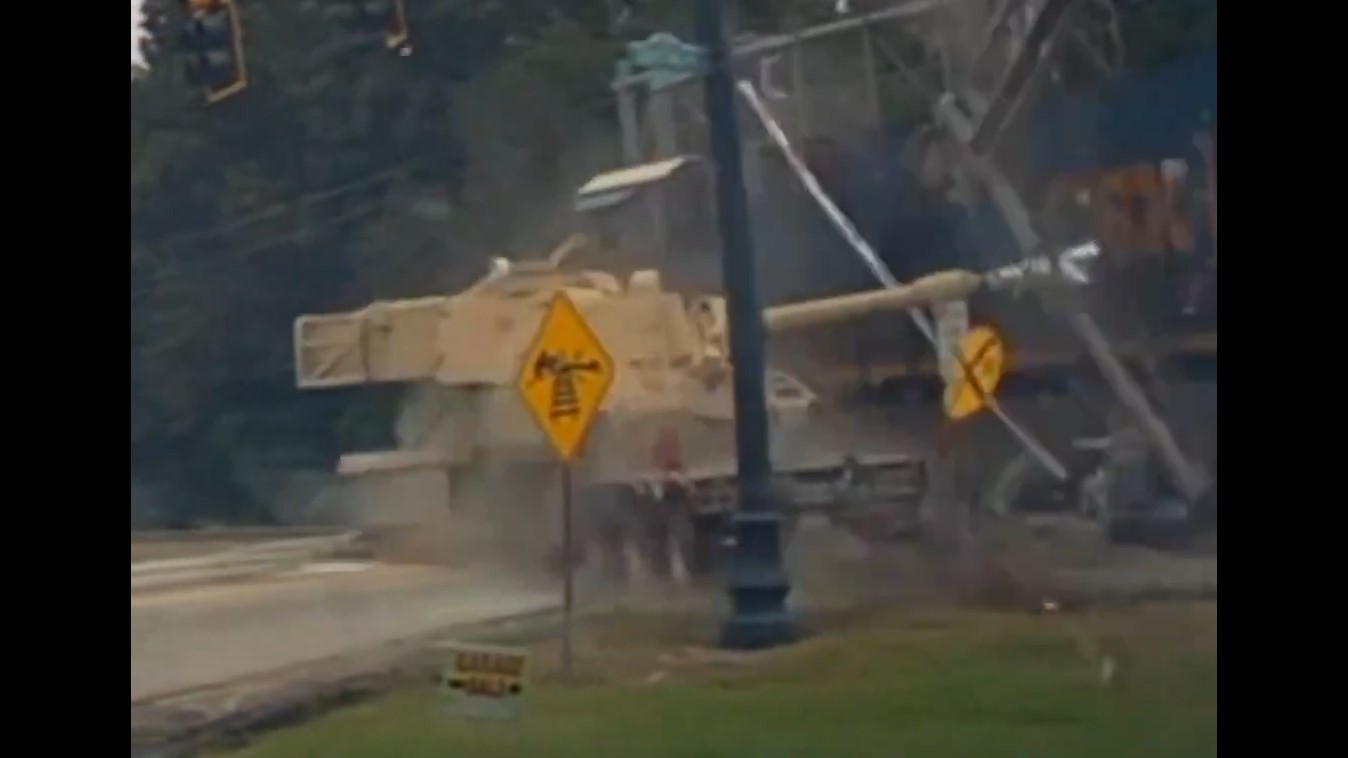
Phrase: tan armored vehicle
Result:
[659,467]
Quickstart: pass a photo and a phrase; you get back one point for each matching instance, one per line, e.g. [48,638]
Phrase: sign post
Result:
[977,363]
[563,380]
[568,569]
[952,326]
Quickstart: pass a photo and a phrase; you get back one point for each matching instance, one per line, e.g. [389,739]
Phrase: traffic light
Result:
[212,41]
[385,17]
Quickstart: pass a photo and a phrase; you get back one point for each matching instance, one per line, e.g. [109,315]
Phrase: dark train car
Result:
[1131,165]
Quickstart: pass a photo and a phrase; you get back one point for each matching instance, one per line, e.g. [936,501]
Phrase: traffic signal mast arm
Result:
[211,41]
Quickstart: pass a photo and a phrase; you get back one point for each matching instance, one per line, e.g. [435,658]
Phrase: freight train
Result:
[1131,165]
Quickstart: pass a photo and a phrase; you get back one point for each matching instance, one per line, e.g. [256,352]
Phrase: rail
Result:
[233,533]
[846,373]
[237,563]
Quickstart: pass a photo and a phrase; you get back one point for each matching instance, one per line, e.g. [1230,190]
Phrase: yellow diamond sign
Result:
[983,363]
[565,375]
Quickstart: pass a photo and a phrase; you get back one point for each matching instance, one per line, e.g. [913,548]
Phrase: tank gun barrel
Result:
[1069,268]
[933,288]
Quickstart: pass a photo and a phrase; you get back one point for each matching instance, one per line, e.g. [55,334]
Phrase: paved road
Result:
[192,637]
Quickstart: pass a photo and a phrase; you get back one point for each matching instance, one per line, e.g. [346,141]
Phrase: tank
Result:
[658,472]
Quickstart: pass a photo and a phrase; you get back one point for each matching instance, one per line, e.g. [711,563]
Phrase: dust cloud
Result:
[481,513]
[496,508]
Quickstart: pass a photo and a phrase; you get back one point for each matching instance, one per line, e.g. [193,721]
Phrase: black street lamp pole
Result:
[756,581]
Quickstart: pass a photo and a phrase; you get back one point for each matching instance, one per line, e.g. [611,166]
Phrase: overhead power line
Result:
[282,208]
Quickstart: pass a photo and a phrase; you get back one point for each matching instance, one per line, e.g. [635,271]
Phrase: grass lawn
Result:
[939,684]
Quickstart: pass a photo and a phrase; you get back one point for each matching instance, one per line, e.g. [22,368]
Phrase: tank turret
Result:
[477,337]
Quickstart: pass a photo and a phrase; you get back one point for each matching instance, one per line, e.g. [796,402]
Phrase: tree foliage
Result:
[302,195]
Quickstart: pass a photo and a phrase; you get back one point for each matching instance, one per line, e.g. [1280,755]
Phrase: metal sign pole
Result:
[563,380]
[568,570]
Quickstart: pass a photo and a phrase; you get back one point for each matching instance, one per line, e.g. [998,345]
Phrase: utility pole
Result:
[756,580]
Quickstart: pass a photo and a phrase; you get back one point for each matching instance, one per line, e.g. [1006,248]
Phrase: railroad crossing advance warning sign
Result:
[565,376]
[984,355]
[484,681]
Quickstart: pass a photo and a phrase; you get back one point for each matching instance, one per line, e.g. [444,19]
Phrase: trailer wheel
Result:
[1144,532]
[652,539]
[670,527]
[1152,528]
[878,528]
[789,526]
[703,546]
[711,540]
[602,530]
[1205,512]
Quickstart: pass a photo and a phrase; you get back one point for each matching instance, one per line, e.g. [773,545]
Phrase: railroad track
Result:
[244,558]
[234,534]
